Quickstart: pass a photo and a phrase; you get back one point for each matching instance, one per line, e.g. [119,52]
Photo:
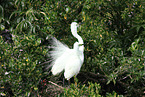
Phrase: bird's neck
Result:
[80,40]
[74,32]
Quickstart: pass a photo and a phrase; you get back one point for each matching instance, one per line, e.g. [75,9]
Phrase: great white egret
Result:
[64,58]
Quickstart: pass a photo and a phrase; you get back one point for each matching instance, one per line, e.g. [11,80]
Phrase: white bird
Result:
[64,58]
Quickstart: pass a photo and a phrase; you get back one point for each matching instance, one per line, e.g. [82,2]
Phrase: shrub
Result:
[113,33]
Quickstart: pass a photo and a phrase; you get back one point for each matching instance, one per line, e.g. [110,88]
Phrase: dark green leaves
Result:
[113,34]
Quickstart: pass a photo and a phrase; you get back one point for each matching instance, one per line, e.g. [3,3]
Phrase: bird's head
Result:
[76,45]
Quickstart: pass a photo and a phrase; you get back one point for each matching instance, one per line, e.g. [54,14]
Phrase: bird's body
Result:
[64,58]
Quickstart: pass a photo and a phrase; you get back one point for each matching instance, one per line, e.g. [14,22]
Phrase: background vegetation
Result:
[114,36]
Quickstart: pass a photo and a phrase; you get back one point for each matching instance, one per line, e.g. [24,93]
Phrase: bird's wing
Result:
[58,48]
[58,65]
[73,65]
[58,55]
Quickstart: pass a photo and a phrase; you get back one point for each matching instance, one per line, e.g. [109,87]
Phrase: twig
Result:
[55,84]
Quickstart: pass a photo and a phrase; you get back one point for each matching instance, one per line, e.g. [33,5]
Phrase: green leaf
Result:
[1,13]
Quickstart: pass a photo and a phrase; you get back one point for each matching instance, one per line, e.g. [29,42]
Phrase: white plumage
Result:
[64,58]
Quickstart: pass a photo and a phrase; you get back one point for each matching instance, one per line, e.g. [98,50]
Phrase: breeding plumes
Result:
[64,58]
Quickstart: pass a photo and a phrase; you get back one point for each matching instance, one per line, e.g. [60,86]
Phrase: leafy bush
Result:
[90,90]
[114,36]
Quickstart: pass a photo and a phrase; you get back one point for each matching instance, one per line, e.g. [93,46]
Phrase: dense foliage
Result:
[114,36]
